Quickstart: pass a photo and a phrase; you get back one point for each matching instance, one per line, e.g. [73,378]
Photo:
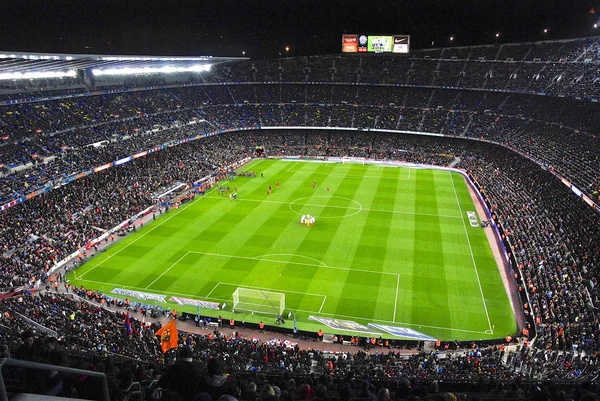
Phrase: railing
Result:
[42,366]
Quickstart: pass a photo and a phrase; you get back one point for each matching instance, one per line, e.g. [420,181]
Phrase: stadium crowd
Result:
[560,68]
[553,236]
[558,133]
[551,232]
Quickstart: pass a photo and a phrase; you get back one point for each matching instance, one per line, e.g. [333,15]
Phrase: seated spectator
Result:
[184,376]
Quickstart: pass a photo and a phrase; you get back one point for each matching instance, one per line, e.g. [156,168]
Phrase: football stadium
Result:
[389,221]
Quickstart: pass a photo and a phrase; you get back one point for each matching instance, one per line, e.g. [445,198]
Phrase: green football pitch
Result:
[391,246]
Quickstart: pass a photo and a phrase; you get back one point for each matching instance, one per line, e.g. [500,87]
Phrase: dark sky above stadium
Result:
[263,28]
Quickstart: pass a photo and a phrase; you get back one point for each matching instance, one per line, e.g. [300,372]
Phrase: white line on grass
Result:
[472,256]
[291,263]
[214,288]
[290,254]
[290,167]
[154,290]
[170,267]
[341,207]
[299,310]
[252,163]
[354,175]
[140,237]
[396,302]
[323,303]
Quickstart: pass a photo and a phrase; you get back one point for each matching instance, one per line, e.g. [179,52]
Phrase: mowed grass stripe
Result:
[318,244]
[373,250]
[430,298]
[401,242]
[345,242]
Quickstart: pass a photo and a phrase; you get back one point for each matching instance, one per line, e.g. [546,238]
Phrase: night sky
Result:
[262,28]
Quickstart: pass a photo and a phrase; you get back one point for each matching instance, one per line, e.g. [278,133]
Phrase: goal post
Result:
[259,301]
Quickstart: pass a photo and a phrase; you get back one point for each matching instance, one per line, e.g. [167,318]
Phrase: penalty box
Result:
[226,289]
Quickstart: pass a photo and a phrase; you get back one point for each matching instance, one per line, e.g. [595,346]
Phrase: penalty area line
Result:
[214,288]
[193,296]
[396,299]
[169,268]
[323,303]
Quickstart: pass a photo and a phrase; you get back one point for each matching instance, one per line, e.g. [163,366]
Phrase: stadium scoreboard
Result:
[362,43]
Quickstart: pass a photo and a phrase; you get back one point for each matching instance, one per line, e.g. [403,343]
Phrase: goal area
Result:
[259,301]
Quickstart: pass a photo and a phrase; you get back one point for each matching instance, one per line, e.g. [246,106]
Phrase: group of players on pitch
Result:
[224,190]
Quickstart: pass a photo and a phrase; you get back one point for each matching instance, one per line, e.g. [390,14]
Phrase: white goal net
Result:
[259,301]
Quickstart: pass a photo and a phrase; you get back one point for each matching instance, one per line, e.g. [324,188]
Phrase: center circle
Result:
[297,204]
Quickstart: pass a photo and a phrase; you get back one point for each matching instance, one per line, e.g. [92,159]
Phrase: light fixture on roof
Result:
[36,75]
[151,70]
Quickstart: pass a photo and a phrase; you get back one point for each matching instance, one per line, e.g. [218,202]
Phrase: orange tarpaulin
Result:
[168,336]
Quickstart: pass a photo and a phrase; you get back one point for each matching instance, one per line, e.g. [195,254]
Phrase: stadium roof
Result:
[22,65]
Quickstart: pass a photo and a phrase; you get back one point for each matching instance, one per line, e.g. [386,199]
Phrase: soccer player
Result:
[278,184]
[328,188]
[314,184]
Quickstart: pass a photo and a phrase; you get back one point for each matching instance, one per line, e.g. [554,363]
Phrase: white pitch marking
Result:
[396,302]
[299,310]
[290,254]
[342,207]
[170,267]
[140,237]
[290,167]
[291,263]
[354,175]
[472,256]
[323,303]
[211,291]
[358,210]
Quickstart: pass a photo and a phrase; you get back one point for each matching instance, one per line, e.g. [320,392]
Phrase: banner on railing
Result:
[402,332]
[195,302]
[140,295]
[346,325]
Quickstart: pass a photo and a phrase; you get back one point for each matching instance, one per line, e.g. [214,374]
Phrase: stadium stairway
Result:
[454,162]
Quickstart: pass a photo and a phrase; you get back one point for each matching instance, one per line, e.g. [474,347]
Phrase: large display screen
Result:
[381,44]
[363,43]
